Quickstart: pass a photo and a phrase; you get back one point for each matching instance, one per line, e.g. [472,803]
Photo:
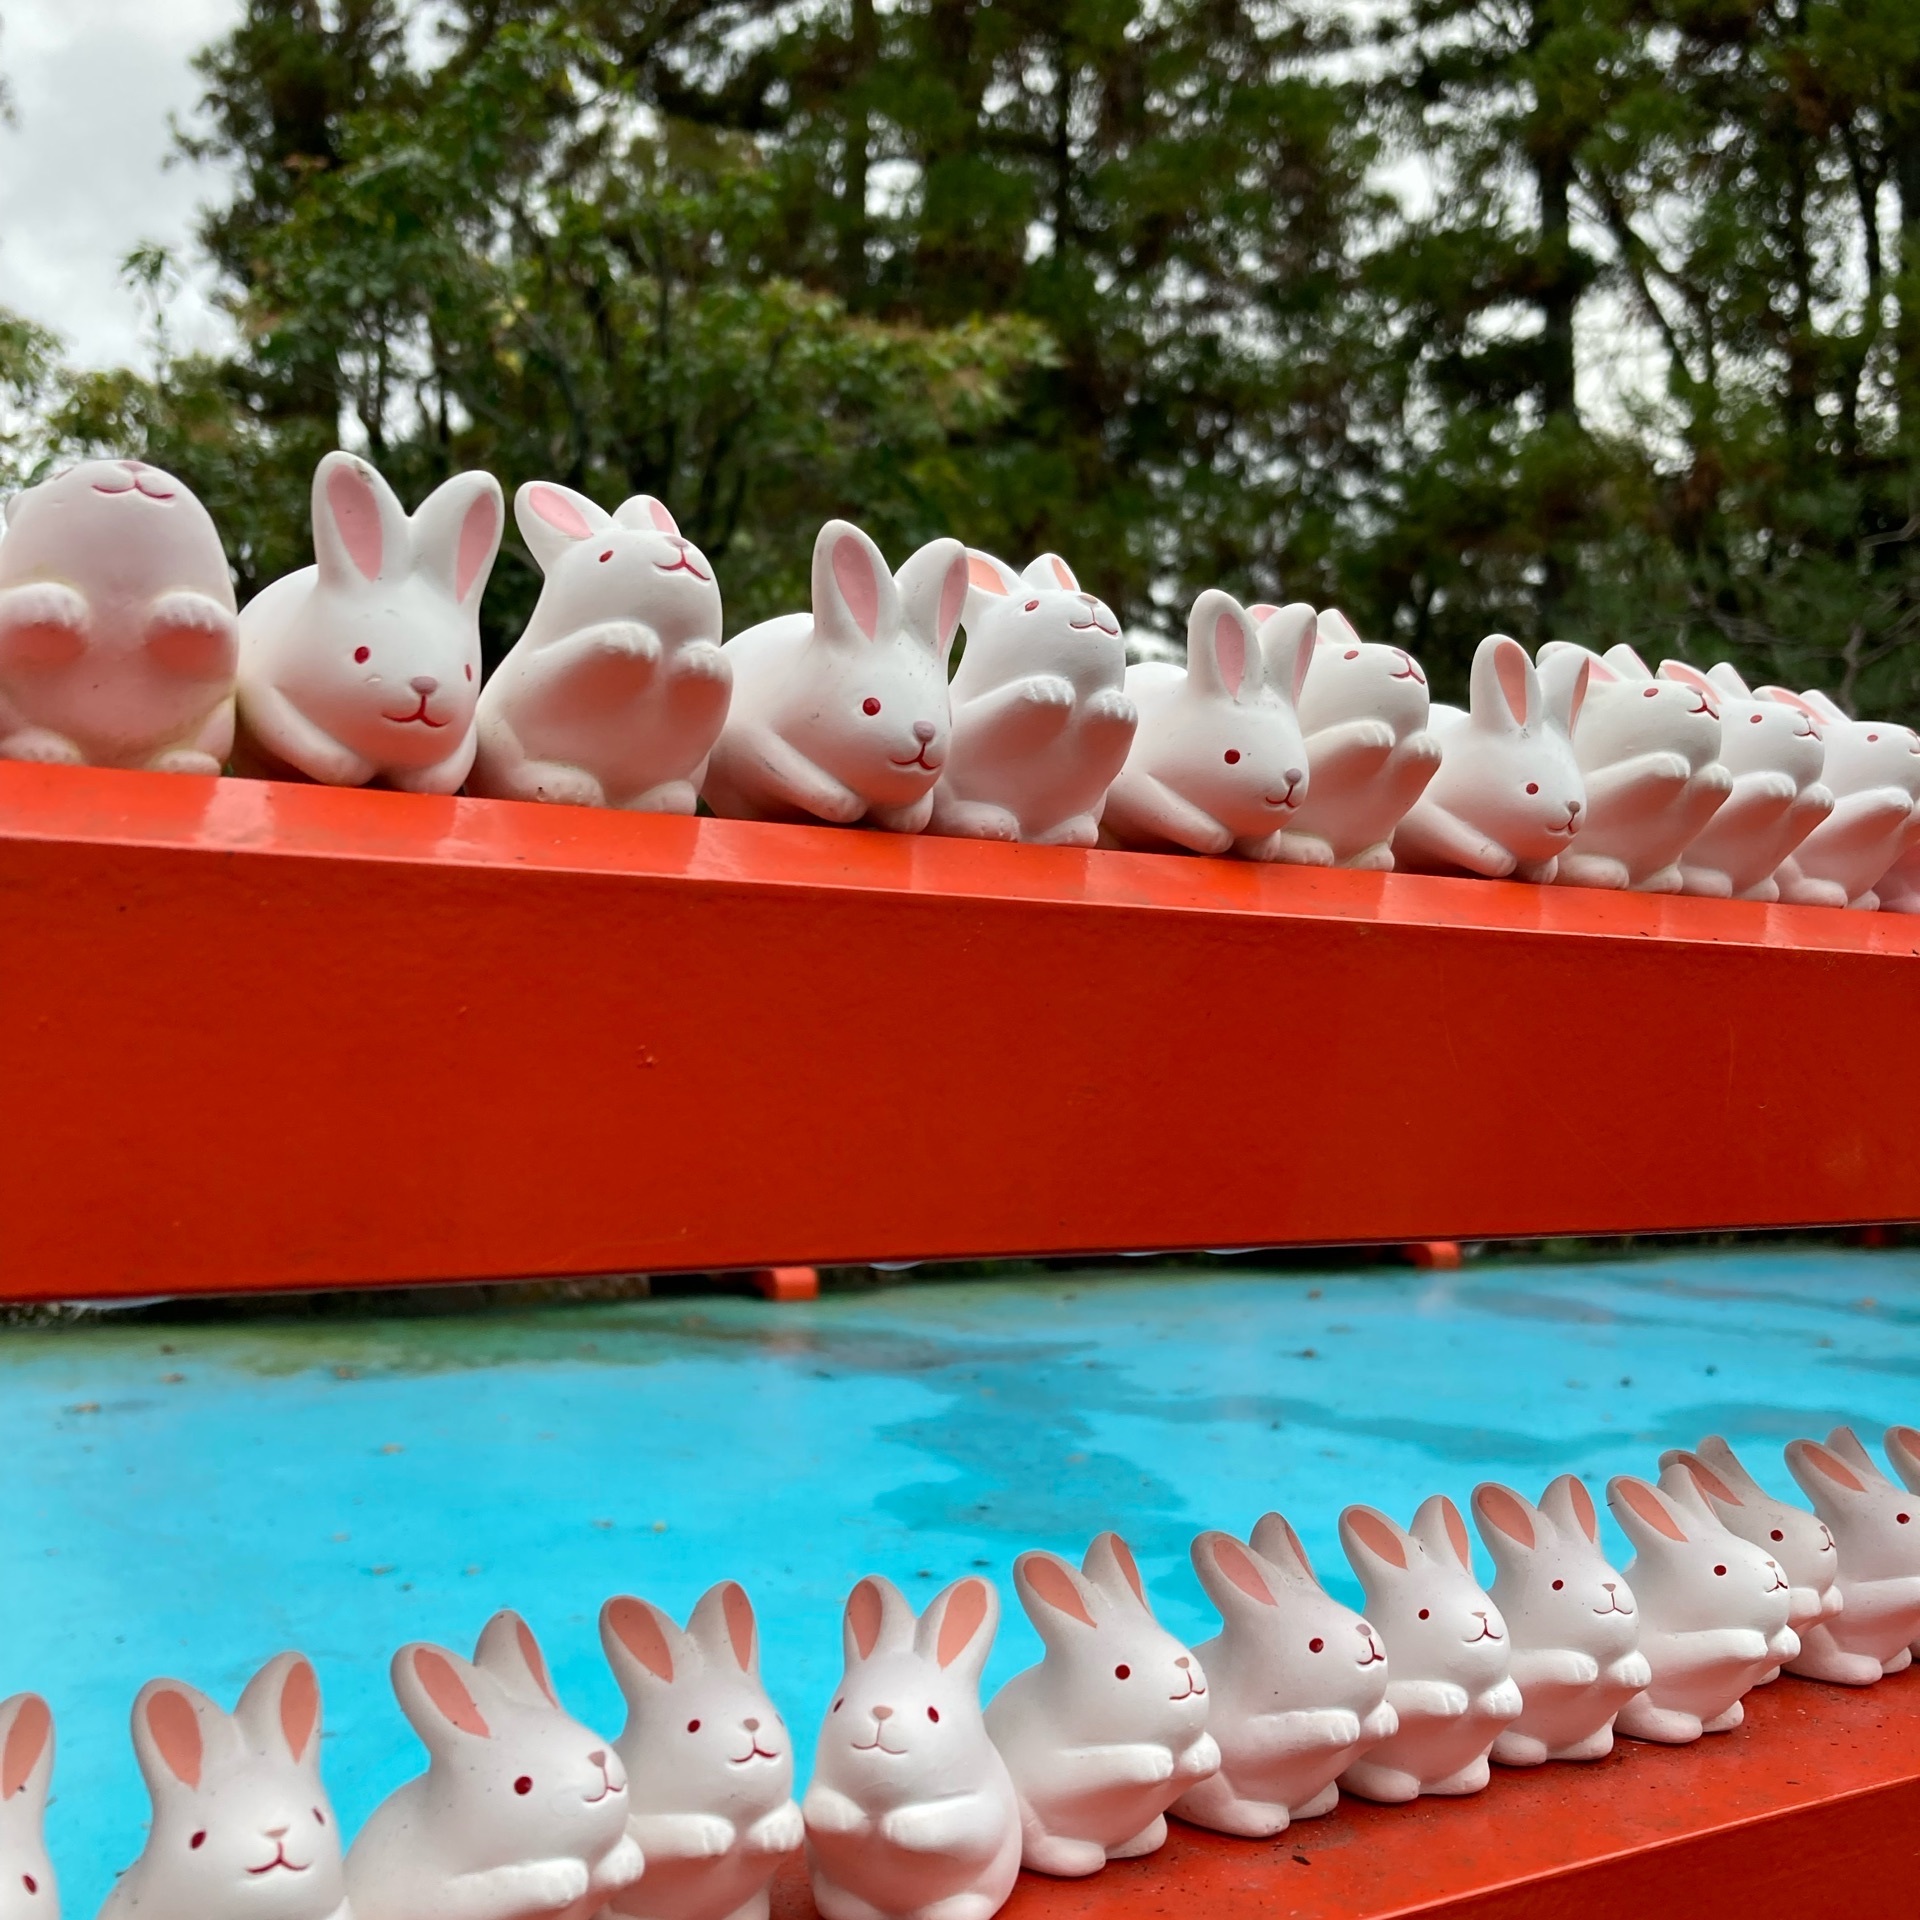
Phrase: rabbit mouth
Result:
[878,1745]
[279,1860]
[1283,805]
[133,486]
[1192,1693]
[1376,1657]
[1706,707]
[1411,670]
[920,760]
[1613,1606]
[1486,1633]
[682,565]
[1093,626]
[420,716]
[753,1753]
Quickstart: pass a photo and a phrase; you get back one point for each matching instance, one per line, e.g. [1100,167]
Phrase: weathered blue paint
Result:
[347,1486]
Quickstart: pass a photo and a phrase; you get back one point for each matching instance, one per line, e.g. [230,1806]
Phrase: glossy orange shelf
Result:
[1811,1811]
[262,1035]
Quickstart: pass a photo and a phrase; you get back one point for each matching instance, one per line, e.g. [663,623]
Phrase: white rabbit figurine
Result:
[1364,710]
[521,1814]
[365,666]
[1105,1733]
[1041,719]
[1802,1542]
[1713,1611]
[1649,758]
[1297,1682]
[1571,1616]
[28,1890]
[1508,798]
[1903,1456]
[118,640]
[1774,755]
[709,1765]
[1217,764]
[1872,768]
[911,1814]
[241,1824]
[842,714]
[616,692]
[1876,1528]
[1449,1658]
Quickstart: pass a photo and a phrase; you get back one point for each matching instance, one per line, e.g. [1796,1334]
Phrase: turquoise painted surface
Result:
[348,1486]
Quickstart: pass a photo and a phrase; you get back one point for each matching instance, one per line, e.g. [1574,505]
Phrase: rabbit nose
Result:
[752,1726]
[275,1833]
[883,1713]
[1609,1585]
[1293,776]
[598,1756]
[424,683]
[923,731]
[1183,1661]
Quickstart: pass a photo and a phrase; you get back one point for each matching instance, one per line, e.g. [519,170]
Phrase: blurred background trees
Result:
[1271,294]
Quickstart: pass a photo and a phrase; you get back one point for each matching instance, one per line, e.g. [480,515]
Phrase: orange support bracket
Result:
[260,1035]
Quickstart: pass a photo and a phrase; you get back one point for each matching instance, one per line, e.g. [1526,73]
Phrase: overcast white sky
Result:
[82,180]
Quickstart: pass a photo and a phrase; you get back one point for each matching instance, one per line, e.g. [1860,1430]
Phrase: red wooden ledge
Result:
[1811,1811]
[263,1035]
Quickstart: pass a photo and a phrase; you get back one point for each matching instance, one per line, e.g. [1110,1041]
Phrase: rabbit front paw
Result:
[1047,690]
[540,1886]
[701,660]
[1111,708]
[38,744]
[826,1811]
[1199,1760]
[781,1831]
[623,640]
[42,623]
[193,635]
[621,1867]
[1504,1702]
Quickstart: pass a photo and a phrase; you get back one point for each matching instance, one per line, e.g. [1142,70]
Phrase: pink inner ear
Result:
[1510,662]
[1584,1510]
[1377,1537]
[1501,1509]
[1599,670]
[477,534]
[739,1612]
[1064,574]
[1834,1468]
[1711,1481]
[1230,650]
[1052,1582]
[853,571]
[26,1741]
[864,1614]
[639,1632]
[356,517]
[953,598]
[1457,1532]
[175,1728]
[448,1692]
[535,1659]
[661,517]
[1688,676]
[1651,1508]
[1582,681]
[962,1620]
[985,575]
[559,513]
[1130,1571]
[1904,1441]
[299,1708]
[1261,614]
[1238,1565]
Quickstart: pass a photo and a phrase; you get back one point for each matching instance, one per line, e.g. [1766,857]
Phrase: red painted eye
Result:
[1901,1517]
[1720,1570]
[469,670]
[838,1704]
[1032,606]
[1233,756]
[1753,719]
[605,557]
[1122,1672]
[693,1726]
[869,705]
[30,1883]
[1777,1534]
[198,1840]
[361,655]
[1316,1645]
[319,1817]
[1426,1613]
[1352,653]
[1649,693]
[1873,736]
[933,1714]
[1558,1584]
[1533,786]
[524,1784]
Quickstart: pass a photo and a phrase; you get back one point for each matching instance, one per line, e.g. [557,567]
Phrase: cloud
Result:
[83,178]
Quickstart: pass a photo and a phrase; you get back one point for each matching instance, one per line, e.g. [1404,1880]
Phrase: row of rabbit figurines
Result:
[1284,737]
[923,1806]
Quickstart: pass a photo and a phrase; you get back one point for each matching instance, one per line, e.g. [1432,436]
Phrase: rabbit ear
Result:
[456,534]
[1223,649]
[878,1620]
[1726,677]
[1058,1601]
[1507,1522]
[958,1626]
[360,530]
[280,1709]
[553,519]
[1846,1443]
[1626,664]
[1287,637]
[1785,697]
[1237,1579]
[1721,1460]
[1565,674]
[1504,690]
[643,1645]
[1715,1489]
[1903,1454]
[1686,676]
[1677,1482]
[508,1651]
[646,515]
[724,1629]
[1822,1473]
[1568,1504]
[1441,1529]
[854,598]
[1051,574]
[26,1749]
[1275,1541]
[1111,1567]
[933,595]
[1374,1543]
[1645,1514]
[177,1733]
[440,1695]
[1824,707]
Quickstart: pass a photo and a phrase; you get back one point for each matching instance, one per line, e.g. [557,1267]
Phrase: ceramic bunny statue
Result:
[842,714]
[911,1814]
[1774,755]
[1363,709]
[709,1765]
[1903,1456]
[1575,1630]
[1876,1527]
[1508,798]
[1649,758]
[28,1890]
[241,1824]
[1042,722]
[1297,1684]
[1217,764]
[1800,1541]
[1106,1732]
[1713,1611]
[521,1814]
[365,666]
[1449,1658]
[1872,768]
[616,692]
[117,633]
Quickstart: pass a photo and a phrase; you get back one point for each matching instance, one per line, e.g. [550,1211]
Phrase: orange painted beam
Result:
[1810,1811]
[261,1035]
